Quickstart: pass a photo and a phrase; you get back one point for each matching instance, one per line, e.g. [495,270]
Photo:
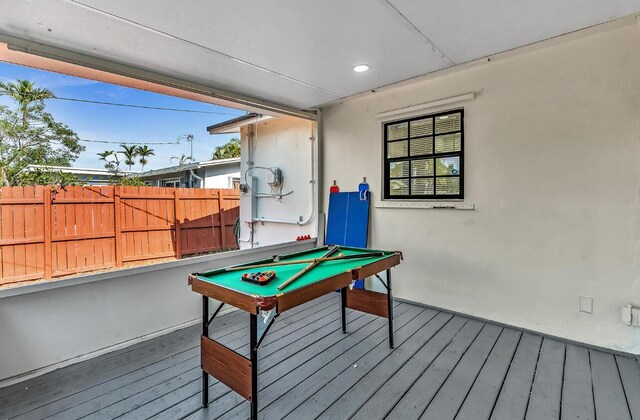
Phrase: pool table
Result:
[225,285]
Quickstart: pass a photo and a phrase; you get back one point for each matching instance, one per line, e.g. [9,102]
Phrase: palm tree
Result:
[25,93]
[130,153]
[144,152]
[228,150]
[27,96]
[108,164]
[182,159]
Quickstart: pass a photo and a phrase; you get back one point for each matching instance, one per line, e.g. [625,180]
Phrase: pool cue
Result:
[308,261]
[307,268]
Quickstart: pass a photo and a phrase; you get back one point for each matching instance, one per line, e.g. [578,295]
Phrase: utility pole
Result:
[190,140]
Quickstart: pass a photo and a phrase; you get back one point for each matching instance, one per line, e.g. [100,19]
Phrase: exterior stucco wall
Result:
[283,142]
[551,161]
[48,325]
[220,176]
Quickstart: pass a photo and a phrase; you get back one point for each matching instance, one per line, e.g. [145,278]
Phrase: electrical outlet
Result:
[586,304]
[626,314]
[635,317]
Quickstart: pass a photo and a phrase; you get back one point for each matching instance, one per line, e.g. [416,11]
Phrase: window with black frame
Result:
[423,157]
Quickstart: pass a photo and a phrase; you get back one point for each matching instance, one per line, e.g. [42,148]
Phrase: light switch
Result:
[586,304]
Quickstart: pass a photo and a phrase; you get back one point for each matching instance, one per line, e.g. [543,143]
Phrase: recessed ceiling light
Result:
[361,67]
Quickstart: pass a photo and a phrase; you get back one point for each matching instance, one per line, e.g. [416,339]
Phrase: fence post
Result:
[48,227]
[176,211]
[117,225]
[221,209]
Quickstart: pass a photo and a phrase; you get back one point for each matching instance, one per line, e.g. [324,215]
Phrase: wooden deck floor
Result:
[444,367]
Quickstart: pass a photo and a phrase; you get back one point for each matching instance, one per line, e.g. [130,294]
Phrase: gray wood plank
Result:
[137,393]
[577,392]
[308,368]
[122,376]
[75,380]
[544,401]
[156,342]
[279,402]
[144,404]
[609,397]
[481,398]
[282,377]
[85,407]
[386,398]
[513,398]
[63,387]
[421,392]
[344,380]
[37,385]
[630,373]
[356,395]
[232,404]
[224,399]
[50,391]
[447,401]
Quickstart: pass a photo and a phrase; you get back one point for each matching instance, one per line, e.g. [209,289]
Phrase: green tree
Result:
[42,176]
[26,95]
[127,181]
[111,165]
[144,152]
[130,153]
[30,135]
[182,159]
[227,150]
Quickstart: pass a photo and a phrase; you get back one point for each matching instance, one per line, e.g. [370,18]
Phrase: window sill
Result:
[440,205]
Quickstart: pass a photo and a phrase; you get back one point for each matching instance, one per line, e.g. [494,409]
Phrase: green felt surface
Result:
[232,279]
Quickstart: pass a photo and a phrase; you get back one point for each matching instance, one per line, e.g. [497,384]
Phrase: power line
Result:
[193,111]
[128,142]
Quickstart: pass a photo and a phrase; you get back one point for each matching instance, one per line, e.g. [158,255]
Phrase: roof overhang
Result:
[218,162]
[38,55]
[289,56]
[233,125]
[76,171]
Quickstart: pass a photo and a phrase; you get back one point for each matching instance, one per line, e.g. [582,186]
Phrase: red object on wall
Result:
[334,188]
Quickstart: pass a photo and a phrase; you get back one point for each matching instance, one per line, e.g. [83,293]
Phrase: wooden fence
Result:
[49,232]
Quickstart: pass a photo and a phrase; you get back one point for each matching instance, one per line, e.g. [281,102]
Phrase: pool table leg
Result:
[253,349]
[205,332]
[390,307]
[343,295]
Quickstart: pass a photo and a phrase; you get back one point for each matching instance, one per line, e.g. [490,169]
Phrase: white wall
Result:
[220,176]
[552,158]
[43,327]
[281,142]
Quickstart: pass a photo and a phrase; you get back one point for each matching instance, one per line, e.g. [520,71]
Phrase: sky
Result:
[124,124]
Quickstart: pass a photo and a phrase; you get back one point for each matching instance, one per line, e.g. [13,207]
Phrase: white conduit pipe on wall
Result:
[193,174]
[312,183]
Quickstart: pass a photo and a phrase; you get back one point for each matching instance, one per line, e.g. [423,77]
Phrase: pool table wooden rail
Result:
[240,373]
[288,300]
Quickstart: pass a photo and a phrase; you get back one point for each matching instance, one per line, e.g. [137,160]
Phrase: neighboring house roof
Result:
[233,125]
[216,162]
[169,170]
[76,171]
[188,167]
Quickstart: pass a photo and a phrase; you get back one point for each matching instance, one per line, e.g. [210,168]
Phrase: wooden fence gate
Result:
[49,232]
